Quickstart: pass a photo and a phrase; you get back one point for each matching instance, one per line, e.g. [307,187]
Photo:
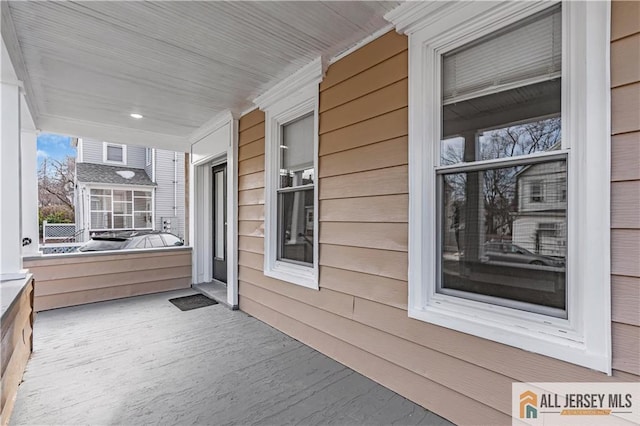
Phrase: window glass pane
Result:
[100,203]
[121,195]
[296,153]
[101,192]
[142,193]
[517,122]
[142,204]
[497,241]
[114,153]
[122,222]
[142,220]
[295,227]
[502,94]
[100,220]
[120,207]
[527,51]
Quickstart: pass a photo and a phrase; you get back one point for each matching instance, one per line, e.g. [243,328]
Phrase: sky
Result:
[53,146]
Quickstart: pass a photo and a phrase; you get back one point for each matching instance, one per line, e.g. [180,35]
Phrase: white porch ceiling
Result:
[87,65]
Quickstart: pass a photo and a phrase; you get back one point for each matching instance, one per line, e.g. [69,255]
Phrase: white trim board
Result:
[218,146]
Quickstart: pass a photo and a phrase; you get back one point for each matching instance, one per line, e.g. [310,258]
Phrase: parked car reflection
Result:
[512,253]
[126,240]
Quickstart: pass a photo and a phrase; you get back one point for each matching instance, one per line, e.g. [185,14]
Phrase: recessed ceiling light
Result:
[136,116]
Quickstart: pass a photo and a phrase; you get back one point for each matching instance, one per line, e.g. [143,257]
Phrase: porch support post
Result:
[10,200]
[30,233]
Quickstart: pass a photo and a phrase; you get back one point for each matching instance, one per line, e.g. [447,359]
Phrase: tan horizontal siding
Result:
[73,280]
[251,119]
[251,149]
[379,155]
[54,301]
[625,18]
[251,165]
[359,315]
[251,134]
[391,125]
[389,181]
[382,101]
[625,157]
[386,208]
[626,348]
[251,244]
[251,181]
[377,235]
[625,204]
[625,104]
[625,61]
[625,295]
[625,186]
[368,81]
[376,288]
[363,59]
[390,264]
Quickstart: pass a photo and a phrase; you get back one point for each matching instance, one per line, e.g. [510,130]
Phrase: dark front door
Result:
[220,222]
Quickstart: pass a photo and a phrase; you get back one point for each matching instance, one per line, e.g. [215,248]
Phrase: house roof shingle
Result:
[100,173]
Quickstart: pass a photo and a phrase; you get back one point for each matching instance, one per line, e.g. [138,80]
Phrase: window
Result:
[114,153]
[148,156]
[120,209]
[291,198]
[508,149]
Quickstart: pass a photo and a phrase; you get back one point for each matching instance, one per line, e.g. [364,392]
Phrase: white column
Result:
[10,202]
[29,159]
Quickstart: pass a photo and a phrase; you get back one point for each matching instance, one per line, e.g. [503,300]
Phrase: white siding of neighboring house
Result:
[92,152]
[170,198]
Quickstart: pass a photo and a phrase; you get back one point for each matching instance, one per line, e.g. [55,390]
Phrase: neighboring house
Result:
[127,187]
[540,224]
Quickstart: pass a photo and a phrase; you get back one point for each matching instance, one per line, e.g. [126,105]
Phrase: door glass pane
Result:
[295,229]
[219,214]
[499,239]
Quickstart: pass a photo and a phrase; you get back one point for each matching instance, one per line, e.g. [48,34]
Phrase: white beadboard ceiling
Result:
[87,65]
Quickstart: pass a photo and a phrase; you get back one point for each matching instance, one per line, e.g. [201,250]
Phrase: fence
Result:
[58,232]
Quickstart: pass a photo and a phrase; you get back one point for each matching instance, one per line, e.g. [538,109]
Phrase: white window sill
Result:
[305,276]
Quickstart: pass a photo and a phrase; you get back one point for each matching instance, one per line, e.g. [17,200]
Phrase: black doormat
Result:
[195,301]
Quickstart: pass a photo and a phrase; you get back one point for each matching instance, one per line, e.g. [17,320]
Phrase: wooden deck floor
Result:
[143,361]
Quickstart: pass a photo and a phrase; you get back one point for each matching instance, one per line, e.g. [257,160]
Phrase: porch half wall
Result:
[75,279]
[359,315]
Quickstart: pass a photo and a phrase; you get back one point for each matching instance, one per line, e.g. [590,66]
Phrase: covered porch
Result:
[143,361]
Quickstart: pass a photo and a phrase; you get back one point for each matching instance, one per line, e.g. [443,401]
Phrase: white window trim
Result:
[117,145]
[148,156]
[289,100]
[433,28]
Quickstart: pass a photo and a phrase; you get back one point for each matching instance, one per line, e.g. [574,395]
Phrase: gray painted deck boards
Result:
[143,361]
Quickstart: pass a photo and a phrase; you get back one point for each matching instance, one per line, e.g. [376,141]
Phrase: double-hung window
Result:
[509,175]
[291,196]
